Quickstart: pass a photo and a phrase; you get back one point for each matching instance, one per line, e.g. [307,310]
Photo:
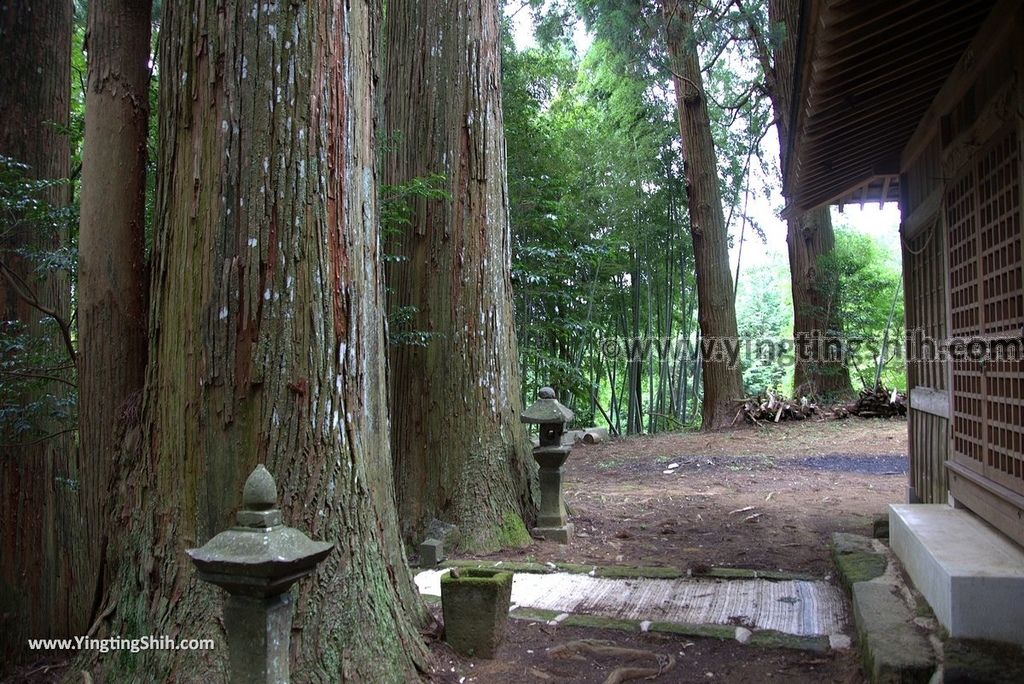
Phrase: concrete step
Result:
[971,575]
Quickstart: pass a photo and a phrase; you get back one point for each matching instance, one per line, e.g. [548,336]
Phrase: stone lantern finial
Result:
[260,491]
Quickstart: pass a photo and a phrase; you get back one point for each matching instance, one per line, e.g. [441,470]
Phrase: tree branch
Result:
[39,376]
[25,292]
[38,441]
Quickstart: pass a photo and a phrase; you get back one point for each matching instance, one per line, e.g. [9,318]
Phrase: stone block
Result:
[892,647]
[431,553]
[475,603]
[561,534]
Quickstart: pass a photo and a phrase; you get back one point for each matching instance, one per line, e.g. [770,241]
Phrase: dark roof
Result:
[868,72]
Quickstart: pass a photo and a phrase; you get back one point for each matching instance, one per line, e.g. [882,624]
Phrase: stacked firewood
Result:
[879,403]
[773,409]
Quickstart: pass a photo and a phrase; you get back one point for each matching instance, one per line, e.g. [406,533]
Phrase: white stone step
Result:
[970,574]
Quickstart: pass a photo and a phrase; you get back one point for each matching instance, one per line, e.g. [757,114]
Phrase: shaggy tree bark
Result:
[39,529]
[716,308]
[111,268]
[460,452]
[266,342]
[809,235]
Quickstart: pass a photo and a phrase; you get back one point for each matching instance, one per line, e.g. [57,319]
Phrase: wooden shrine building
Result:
[922,102]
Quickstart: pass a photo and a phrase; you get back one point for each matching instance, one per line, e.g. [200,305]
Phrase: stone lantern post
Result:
[551,416]
[256,562]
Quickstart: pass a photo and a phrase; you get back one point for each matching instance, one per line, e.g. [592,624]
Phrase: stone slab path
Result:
[797,607]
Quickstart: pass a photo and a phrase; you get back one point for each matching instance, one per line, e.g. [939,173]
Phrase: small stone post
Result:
[551,416]
[256,562]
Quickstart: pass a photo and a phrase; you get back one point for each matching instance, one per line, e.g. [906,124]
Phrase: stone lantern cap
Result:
[547,410]
[259,556]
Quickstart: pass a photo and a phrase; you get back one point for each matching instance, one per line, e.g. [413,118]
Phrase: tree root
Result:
[578,650]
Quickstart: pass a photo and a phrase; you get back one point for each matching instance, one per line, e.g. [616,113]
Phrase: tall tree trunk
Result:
[111,268]
[716,308]
[39,527]
[460,452]
[809,236]
[266,341]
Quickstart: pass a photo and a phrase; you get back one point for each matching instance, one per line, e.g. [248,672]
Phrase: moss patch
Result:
[597,621]
[511,566]
[538,614]
[632,571]
[744,573]
[705,631]
[773,639]
[983,661]
[857,566]
[513,532]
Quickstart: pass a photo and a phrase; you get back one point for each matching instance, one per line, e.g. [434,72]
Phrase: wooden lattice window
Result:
[986,295]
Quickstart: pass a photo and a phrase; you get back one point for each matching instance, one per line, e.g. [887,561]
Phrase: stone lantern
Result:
[548,413]
[256,562]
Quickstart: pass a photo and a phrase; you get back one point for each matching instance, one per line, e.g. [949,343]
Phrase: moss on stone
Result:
[511,566]
[857,566]
[970,660]
[538,614]
[597,621]
[706,631]
[475,607]
[744,573]
[773,639]
[615,571]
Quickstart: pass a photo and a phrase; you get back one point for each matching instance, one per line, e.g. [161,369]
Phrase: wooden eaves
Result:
[867,74]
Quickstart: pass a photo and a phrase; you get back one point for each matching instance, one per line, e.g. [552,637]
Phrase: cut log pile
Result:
[880,403]
[773,409]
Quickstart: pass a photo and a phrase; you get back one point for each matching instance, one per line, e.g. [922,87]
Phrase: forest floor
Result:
[752,498]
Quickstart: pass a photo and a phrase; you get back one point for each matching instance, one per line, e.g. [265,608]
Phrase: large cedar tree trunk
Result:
[39,529]
[111,268]
[716,308]
[809,235]
[266,342]
[460,452]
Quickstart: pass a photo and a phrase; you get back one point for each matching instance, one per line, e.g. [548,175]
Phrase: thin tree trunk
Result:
[266,342]
[461,454]
[880,363]
[723,384]
[41,545]
[111,268]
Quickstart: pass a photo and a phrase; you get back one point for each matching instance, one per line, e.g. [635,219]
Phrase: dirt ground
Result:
[755,498]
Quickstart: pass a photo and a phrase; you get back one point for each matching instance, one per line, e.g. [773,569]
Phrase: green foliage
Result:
[599,248]
[38,395]
[765,320]
[862,280]
[397,210]
[36,375]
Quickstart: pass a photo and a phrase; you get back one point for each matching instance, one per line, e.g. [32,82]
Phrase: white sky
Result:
[882,223]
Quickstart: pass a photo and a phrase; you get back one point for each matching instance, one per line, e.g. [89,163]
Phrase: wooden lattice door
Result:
[986,297]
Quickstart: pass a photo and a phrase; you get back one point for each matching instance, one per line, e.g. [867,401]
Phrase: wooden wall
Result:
[924,274]
[963,210]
